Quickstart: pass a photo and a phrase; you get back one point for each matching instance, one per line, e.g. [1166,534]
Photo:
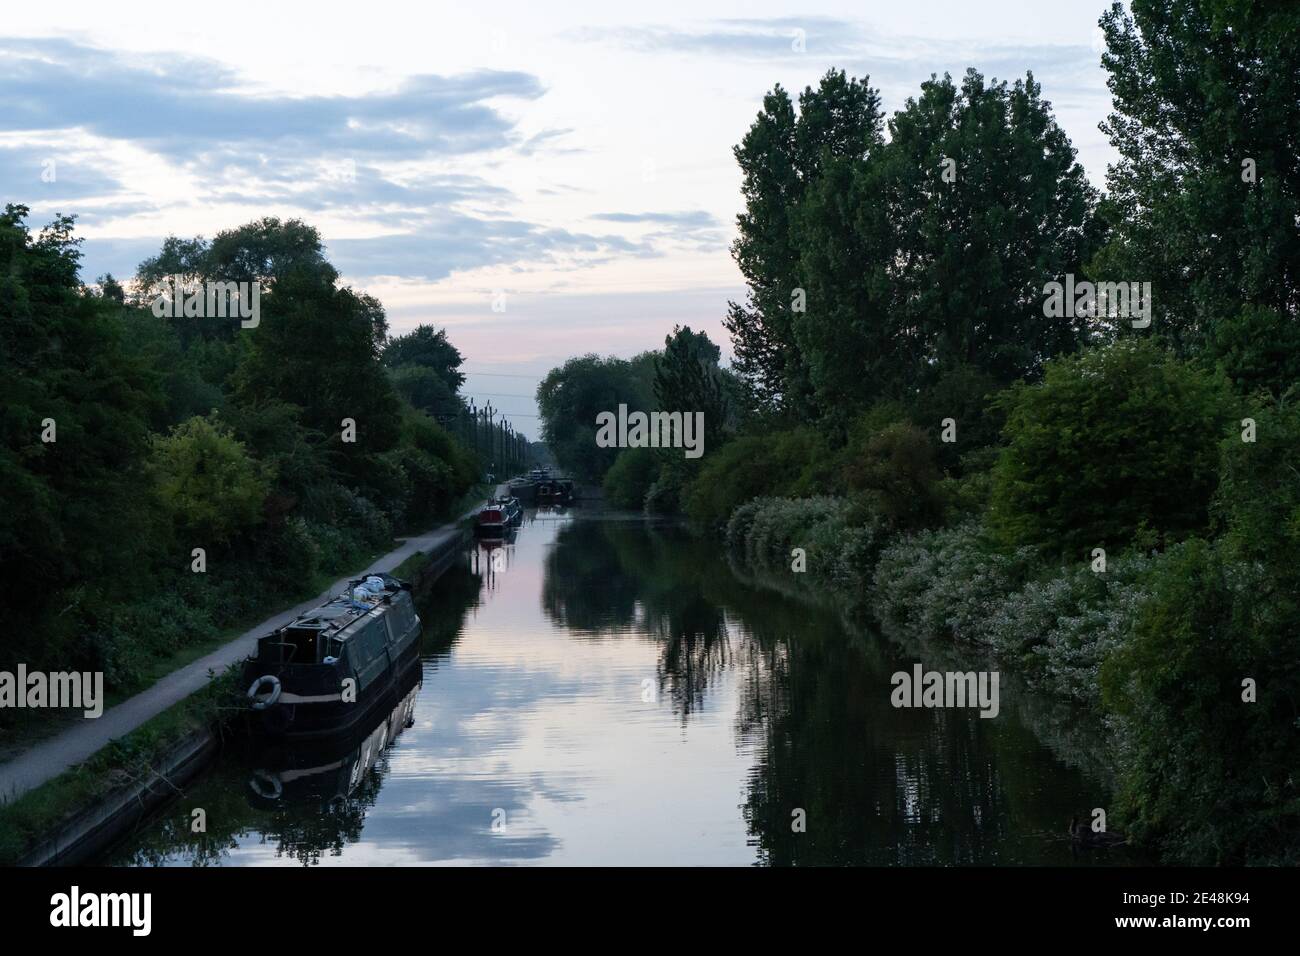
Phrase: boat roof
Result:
[339,612]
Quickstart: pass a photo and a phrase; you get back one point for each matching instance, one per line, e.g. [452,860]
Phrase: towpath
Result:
[51,757]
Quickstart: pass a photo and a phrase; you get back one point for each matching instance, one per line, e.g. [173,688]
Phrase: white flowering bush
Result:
[949,581]
[742,519]
[786,523]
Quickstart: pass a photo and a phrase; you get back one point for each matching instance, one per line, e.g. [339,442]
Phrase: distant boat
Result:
[334,665]
[497,516]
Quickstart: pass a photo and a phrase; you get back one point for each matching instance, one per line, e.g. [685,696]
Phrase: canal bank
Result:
[184,710]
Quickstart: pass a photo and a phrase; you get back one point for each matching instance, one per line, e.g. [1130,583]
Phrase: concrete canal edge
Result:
[92,830]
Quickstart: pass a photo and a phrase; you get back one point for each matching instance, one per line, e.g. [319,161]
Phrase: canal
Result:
[607,690]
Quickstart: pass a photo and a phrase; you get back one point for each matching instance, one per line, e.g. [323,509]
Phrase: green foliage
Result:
[630,477]
[427,348]
[904,270]
[1111,441]
[99,523]
[426,390]
[794,463]
[436,469]
[1198,89]
[687,379]
[781,157]
[1258,502]
[1257,349]
[947,582]
[78,511]
[570,398]
[1208,777]
[207,483]
[965,394]
[895,470]
[315,348]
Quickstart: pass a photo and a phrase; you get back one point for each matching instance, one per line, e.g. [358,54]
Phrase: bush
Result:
[789,464]
[1111,441]
[784,524]
[1258,500]
[630,477]
[1258,348]
[895,469]
[961,393]
[1058,630]
[1207,777]
[949,582]
[208,484]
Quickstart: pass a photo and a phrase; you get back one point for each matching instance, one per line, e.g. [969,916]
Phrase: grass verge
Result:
[33,816]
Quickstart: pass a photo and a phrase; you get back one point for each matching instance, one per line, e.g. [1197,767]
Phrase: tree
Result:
[208,483]
[425,368]
[931,253]
[630,477]
[1205,199]
[781,158]
[428,348]
[687,379]
[570,398]
[75,406]
[315,348]
[262,252]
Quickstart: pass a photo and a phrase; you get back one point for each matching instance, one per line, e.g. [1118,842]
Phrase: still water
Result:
[605,690]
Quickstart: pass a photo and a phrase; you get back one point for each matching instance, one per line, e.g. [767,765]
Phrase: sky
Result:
[542,180]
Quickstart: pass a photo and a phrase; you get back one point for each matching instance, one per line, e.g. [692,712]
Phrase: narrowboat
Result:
[334,666]
[493,519]
[540,485]
[496,517]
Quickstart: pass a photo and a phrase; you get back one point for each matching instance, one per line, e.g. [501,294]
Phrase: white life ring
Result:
[261,703]
[266,784]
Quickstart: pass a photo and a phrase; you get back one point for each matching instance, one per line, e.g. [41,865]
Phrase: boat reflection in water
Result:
[329,772]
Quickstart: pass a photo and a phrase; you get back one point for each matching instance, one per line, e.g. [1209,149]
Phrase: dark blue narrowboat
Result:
[334,666]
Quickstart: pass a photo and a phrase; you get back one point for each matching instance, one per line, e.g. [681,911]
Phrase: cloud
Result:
[448,242]
[1071,68]
[744,38]
[695,229]
[195,110]
[696,218]
[32,174]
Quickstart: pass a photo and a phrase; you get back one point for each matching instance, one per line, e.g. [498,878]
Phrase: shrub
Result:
[948,582]
[1258,500]
[1110,441]
[794,463]
[1206,776]
[630,477]
[1057,630]
[207,482]
[784,524]
[1258,348]
[895,469]
[742,519]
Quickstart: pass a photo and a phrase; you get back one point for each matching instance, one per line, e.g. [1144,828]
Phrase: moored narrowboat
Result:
[334,665]
[493,519]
